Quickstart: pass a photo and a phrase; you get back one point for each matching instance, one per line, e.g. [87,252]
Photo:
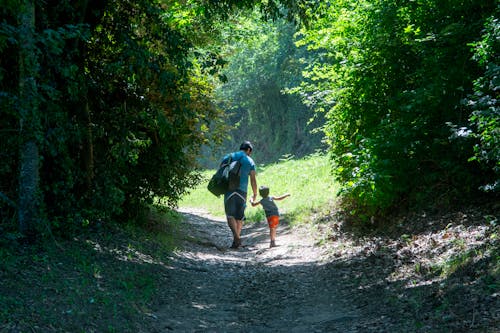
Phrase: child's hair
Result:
[264,191]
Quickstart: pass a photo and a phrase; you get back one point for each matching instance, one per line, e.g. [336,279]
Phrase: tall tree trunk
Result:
[88,141]
[29,122]
[89,149]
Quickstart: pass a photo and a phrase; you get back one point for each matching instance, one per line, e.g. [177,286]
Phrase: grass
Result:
[309,181]
[105,280]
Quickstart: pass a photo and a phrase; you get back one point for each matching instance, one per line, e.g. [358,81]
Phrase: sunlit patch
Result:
[430,257]
[200,306]
[129,254]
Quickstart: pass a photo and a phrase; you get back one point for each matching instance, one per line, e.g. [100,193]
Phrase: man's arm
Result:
[253,183]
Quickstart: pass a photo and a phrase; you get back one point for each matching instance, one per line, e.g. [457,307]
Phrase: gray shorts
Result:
[235,204]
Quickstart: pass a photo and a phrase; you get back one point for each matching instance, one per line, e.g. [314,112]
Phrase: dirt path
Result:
[252,289]
[350,284]
[421,273]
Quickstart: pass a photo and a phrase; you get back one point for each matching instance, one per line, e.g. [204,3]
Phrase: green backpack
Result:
[226,178]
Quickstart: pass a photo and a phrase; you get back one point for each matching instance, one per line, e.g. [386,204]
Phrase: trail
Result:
[349,284]
[252,289]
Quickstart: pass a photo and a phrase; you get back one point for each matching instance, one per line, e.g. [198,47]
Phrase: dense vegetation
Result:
[408,88]
[263,64]
[404,92]
[107,105]
[104,106]
[113,88]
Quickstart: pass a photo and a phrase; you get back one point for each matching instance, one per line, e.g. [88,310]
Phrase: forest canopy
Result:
[410,97]
[107,106]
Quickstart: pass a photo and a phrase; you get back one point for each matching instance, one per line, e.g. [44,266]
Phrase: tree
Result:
[484,103]
[29,123]
[263,63]
[115,98]
[391,76]
[119,86]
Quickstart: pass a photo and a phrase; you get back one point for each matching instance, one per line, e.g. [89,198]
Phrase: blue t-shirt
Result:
[247,165]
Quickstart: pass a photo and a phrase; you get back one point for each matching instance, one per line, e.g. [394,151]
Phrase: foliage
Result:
[125,98]
[124,91]
[390,75]
[293,10]
[485,117]
[159,99]
[262,64]
[125,106]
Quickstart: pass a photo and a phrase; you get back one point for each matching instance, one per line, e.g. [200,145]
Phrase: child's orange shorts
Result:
[273,221]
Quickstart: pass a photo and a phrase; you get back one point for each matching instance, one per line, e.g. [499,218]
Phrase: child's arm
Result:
[281,197]
[254,203]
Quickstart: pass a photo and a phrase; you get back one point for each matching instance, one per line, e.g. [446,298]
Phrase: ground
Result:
[432,273]
[252,289]
[322,279]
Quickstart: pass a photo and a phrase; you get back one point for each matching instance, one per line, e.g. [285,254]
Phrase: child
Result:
[271,210]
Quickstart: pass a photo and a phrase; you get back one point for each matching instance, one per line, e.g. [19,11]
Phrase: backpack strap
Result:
[239,159]
[226,160]
[230,158]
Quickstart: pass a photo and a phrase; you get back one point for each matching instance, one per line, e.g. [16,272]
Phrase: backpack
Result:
[226,178]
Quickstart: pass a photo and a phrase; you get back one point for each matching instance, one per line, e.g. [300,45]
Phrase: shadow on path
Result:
[350,284]
[253,289]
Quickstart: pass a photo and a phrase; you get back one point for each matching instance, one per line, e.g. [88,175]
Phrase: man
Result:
[235,201]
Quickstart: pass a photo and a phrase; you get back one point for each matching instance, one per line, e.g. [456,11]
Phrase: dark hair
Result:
[246,145]
[264,191]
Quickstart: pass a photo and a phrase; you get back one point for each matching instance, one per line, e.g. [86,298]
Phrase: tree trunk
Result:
[88,154]
[29,122]
[89,149]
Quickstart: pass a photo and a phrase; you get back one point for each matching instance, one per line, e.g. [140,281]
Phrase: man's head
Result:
[264,191]
[247,147]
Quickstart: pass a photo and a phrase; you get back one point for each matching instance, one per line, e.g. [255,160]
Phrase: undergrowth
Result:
[102,280]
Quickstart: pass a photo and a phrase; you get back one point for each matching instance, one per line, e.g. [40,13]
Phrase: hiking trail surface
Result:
[332,284]
[254,288]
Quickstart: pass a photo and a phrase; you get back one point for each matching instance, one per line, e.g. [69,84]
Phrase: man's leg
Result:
[239,226]
[231,222]
[235,213]
[235,229]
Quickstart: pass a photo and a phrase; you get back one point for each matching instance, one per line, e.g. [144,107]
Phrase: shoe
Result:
[273,244]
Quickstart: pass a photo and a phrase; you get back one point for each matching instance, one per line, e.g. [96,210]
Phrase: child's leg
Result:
[272,234]
[273,222]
